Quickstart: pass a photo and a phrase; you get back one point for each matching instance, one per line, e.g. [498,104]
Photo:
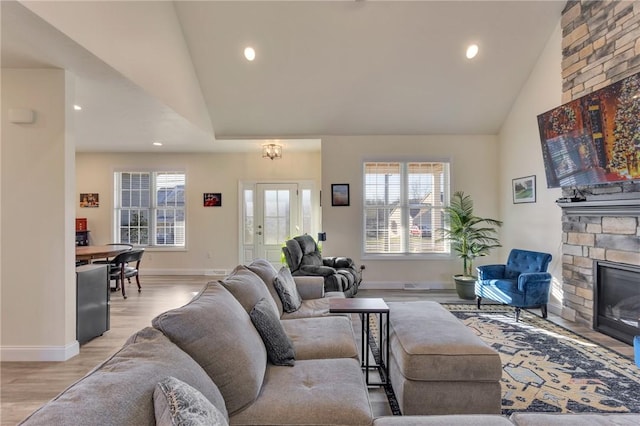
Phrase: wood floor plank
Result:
[25,386]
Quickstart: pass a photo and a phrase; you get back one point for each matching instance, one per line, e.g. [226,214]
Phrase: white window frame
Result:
[434,251]
[152,210]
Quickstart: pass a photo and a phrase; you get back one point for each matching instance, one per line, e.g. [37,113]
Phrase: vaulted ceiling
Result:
[175,72]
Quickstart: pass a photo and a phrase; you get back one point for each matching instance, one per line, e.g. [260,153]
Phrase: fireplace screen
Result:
[617,300]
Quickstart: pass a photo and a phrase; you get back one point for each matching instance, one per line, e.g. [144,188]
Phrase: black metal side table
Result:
[365,307]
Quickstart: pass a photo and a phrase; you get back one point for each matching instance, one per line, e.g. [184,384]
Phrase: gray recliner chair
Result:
[304,259]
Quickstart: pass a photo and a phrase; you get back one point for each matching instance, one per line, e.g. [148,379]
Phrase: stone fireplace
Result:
[600,45]
[600,230]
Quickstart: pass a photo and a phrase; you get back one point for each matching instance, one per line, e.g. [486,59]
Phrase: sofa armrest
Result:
[310,287]
[536,281]
[338,262]
[323,271]
[490,272]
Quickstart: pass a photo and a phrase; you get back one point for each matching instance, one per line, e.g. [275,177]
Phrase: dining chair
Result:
[126,265]
[110,262]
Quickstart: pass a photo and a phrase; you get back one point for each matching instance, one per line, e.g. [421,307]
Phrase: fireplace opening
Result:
[617,300]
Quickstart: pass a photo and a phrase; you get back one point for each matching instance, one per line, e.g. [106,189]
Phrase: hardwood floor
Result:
[28,385]
[25,386]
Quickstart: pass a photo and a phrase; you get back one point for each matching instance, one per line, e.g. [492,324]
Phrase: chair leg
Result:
[138,282]
[124,295]
[517,314]
[544,310]
[478,301]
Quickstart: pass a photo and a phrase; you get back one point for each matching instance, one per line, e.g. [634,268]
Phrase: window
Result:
[150,208]
[403,206]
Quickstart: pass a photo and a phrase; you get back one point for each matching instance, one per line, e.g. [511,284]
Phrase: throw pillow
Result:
[279,346]
[287,290]
[177,403]
[248,288]
[266,271]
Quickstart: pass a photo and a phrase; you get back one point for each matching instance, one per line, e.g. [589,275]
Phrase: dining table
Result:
[89,253]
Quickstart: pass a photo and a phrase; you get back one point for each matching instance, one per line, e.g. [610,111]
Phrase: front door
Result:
[270,218]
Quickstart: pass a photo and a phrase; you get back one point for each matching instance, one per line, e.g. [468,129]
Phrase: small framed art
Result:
[212,199]
[340,194]
[91,199]
[524,189]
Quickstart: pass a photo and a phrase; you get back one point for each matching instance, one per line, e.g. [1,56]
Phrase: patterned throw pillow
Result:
[287,290]
[177,403]
[279,346]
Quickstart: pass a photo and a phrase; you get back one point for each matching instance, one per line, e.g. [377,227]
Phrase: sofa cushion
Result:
[120,390]
[177,403]
[307,244]
[265,270]
[312,392]
[314,308]
[217,332]
[279,346]
[449,420]
[319,338]
[294,253]
[248,288]
[286,287]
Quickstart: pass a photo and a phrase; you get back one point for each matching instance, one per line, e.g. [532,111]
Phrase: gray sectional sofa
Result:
[207,363]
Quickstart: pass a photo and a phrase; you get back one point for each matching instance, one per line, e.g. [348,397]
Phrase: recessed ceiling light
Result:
[77,107]
[472,51]
[249,53]
[157,144]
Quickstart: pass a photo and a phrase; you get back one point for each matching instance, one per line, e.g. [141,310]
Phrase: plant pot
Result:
[465,286]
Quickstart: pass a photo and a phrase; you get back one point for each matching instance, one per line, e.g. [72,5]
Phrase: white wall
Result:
[209,230]
[148,36]
[474,170]
[215,230]
[534,226]
[38,269]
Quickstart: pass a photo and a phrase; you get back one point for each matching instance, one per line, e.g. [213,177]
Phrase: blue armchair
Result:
[523,282]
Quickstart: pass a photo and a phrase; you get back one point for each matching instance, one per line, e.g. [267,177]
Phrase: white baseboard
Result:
[39,353]
[203,272]
[554,309]
[403,285]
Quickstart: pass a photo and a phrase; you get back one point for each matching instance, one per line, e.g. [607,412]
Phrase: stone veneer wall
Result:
[600,45]
[585,240]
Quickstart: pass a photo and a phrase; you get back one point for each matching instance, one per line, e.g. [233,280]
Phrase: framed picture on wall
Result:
[524,189]
[90,199]
[340,194]
[212,199]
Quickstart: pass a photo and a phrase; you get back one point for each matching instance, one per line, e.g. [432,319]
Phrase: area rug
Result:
[547,368]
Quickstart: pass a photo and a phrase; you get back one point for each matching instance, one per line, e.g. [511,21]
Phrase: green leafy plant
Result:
[470,236]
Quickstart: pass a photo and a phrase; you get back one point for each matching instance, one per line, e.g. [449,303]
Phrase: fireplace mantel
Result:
[624,207]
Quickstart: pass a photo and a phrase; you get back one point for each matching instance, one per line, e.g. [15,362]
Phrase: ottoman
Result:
[439,366]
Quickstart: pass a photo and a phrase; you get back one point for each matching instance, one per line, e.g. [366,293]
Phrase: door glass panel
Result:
[306,211]
[276,216]
[270,203]
[248,217]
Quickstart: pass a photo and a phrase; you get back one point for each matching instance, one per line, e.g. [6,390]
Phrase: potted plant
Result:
[470,236]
